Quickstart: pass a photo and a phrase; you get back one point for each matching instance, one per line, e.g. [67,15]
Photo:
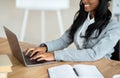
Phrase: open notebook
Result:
[76,71]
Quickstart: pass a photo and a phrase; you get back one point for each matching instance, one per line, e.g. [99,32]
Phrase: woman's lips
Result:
[86,5]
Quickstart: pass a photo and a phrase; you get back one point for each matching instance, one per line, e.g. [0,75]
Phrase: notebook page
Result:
[87,71]
[62,71]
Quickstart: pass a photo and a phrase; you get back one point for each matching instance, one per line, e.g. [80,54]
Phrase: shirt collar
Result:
[90,20]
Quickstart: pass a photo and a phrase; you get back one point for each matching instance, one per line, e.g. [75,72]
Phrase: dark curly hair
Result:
[102,17]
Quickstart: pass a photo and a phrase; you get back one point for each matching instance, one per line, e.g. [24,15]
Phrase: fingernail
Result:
[31,59]
[38,60]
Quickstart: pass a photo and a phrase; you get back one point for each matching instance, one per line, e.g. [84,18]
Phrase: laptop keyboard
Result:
[29,62]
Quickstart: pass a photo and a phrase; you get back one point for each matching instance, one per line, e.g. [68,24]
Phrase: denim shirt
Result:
[79,42]
[101,47]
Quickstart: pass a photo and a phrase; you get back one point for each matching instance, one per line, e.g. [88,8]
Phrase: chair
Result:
[116,53]
[42,5]
[116,13]
[115,9]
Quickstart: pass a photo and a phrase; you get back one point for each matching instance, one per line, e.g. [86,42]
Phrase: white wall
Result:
[12,17]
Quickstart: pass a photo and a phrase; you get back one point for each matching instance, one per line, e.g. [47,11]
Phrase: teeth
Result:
[87,5]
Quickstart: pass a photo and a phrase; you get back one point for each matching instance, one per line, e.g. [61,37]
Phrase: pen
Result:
[75,71]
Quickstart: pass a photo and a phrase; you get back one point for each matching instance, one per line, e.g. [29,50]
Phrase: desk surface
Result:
[107,67]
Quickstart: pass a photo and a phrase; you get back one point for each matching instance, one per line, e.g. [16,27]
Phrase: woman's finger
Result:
[29,50]
[38,55]
[40,59]
[35,51]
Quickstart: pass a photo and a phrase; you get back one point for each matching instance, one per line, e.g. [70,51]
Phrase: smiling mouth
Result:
[86,5]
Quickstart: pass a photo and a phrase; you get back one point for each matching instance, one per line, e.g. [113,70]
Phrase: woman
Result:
[93,32]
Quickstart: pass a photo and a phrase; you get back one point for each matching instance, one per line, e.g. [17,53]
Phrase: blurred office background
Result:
[12,18]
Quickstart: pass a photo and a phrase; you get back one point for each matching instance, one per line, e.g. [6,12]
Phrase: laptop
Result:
[18,53]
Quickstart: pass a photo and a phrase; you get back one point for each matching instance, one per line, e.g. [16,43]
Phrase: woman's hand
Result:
[43,56]
[39,54]
[33,51]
